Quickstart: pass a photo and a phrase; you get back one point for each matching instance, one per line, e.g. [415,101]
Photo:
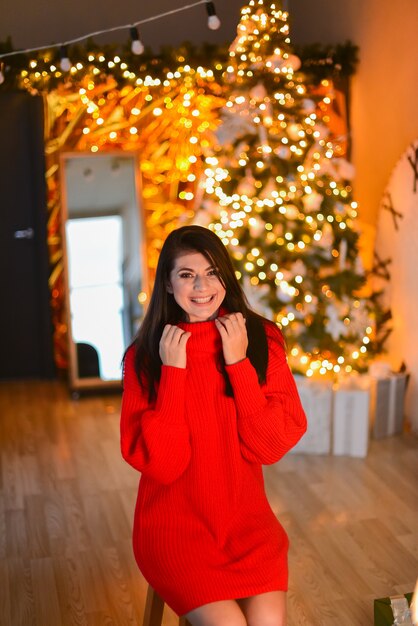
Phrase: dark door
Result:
[25,322]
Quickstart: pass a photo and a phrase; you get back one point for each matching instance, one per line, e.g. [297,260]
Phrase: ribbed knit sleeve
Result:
[155,438]
[271,419]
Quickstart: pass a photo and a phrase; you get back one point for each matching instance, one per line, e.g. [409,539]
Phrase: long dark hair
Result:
[163,309]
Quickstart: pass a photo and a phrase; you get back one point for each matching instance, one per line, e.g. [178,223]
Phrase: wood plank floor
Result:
[66,510]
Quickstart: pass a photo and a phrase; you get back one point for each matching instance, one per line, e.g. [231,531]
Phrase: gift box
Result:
[351,424]
[387,404]
[316,399]
[386,610]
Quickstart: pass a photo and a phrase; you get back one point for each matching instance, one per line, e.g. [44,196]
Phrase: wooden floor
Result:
[66,509]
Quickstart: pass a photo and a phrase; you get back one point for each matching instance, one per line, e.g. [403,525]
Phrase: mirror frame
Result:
[75,382]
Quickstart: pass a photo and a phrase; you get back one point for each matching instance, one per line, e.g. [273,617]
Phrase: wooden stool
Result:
[154,608]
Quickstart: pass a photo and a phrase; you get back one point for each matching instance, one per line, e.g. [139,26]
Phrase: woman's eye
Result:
[185,275]
[213,273]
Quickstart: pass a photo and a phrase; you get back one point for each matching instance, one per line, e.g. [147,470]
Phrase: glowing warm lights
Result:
[283,159]
[301,140]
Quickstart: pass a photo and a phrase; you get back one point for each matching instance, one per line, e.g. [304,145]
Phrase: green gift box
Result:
[383,615]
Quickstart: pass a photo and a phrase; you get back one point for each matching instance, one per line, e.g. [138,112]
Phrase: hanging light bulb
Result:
[213,20]
[137,46]
[1,73]
[65,62]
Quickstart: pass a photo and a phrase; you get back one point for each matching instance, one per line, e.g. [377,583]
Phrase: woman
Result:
[208,398]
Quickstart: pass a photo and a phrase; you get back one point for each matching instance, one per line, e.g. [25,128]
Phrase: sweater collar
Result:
[205,336]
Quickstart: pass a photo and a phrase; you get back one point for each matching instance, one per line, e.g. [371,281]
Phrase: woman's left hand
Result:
[234,337]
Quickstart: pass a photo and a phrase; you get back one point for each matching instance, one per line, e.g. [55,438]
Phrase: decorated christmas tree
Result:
[277,191]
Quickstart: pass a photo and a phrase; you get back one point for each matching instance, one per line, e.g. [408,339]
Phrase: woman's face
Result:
[196,287]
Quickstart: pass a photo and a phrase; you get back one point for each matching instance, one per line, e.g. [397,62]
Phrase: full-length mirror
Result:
[105,266]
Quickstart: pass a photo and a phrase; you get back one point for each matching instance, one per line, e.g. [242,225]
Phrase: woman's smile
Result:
[200,300]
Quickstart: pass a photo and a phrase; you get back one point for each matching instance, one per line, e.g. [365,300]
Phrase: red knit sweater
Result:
[203,529]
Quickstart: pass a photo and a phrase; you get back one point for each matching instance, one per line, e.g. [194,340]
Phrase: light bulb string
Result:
[186,7]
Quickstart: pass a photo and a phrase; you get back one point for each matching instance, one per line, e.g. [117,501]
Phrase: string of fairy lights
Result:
[137,46]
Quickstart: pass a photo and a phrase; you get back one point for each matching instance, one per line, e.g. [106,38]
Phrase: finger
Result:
[184,338]
[238,317]
[177,334]
[165,330]
[175,330]
[222,321]
[231,322]
[167,333]
[235,321]
[241,319]
[221,328]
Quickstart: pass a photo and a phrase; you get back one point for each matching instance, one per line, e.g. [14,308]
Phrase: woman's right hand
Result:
[173,346]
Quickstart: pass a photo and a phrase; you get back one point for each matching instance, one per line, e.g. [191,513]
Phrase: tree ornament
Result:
[283,292]
[312,201]
[340,208]
[259,92]
[360,318]
[256,227]
[246,186]
[293,131]
[343,253]
[283,152]
[293,62]
[326,241]
[256,297]
[359,266]
[233,127]
[268,188]
[299,268]
[321,131]
[308,105]
[275,61]
[334,325]
[292,212]
[327,167]
[262,133]
[345,169]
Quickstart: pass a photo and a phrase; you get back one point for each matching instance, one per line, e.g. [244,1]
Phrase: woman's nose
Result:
[199,282]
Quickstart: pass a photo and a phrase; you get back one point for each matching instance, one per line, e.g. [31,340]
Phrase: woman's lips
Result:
[202,300]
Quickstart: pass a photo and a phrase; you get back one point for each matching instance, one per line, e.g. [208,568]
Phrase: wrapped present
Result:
[350,417]
[393,610]
[387,404]
[316,398]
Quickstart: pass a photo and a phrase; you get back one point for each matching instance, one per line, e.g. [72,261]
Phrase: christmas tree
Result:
[277,192]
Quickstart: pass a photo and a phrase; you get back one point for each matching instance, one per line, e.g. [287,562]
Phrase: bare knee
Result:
[225,613]
[267,609]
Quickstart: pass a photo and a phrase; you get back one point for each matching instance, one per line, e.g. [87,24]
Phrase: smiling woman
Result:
[208,398]
[196,287]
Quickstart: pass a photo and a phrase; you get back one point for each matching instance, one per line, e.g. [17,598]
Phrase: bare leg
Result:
[266,609]
[224,613]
